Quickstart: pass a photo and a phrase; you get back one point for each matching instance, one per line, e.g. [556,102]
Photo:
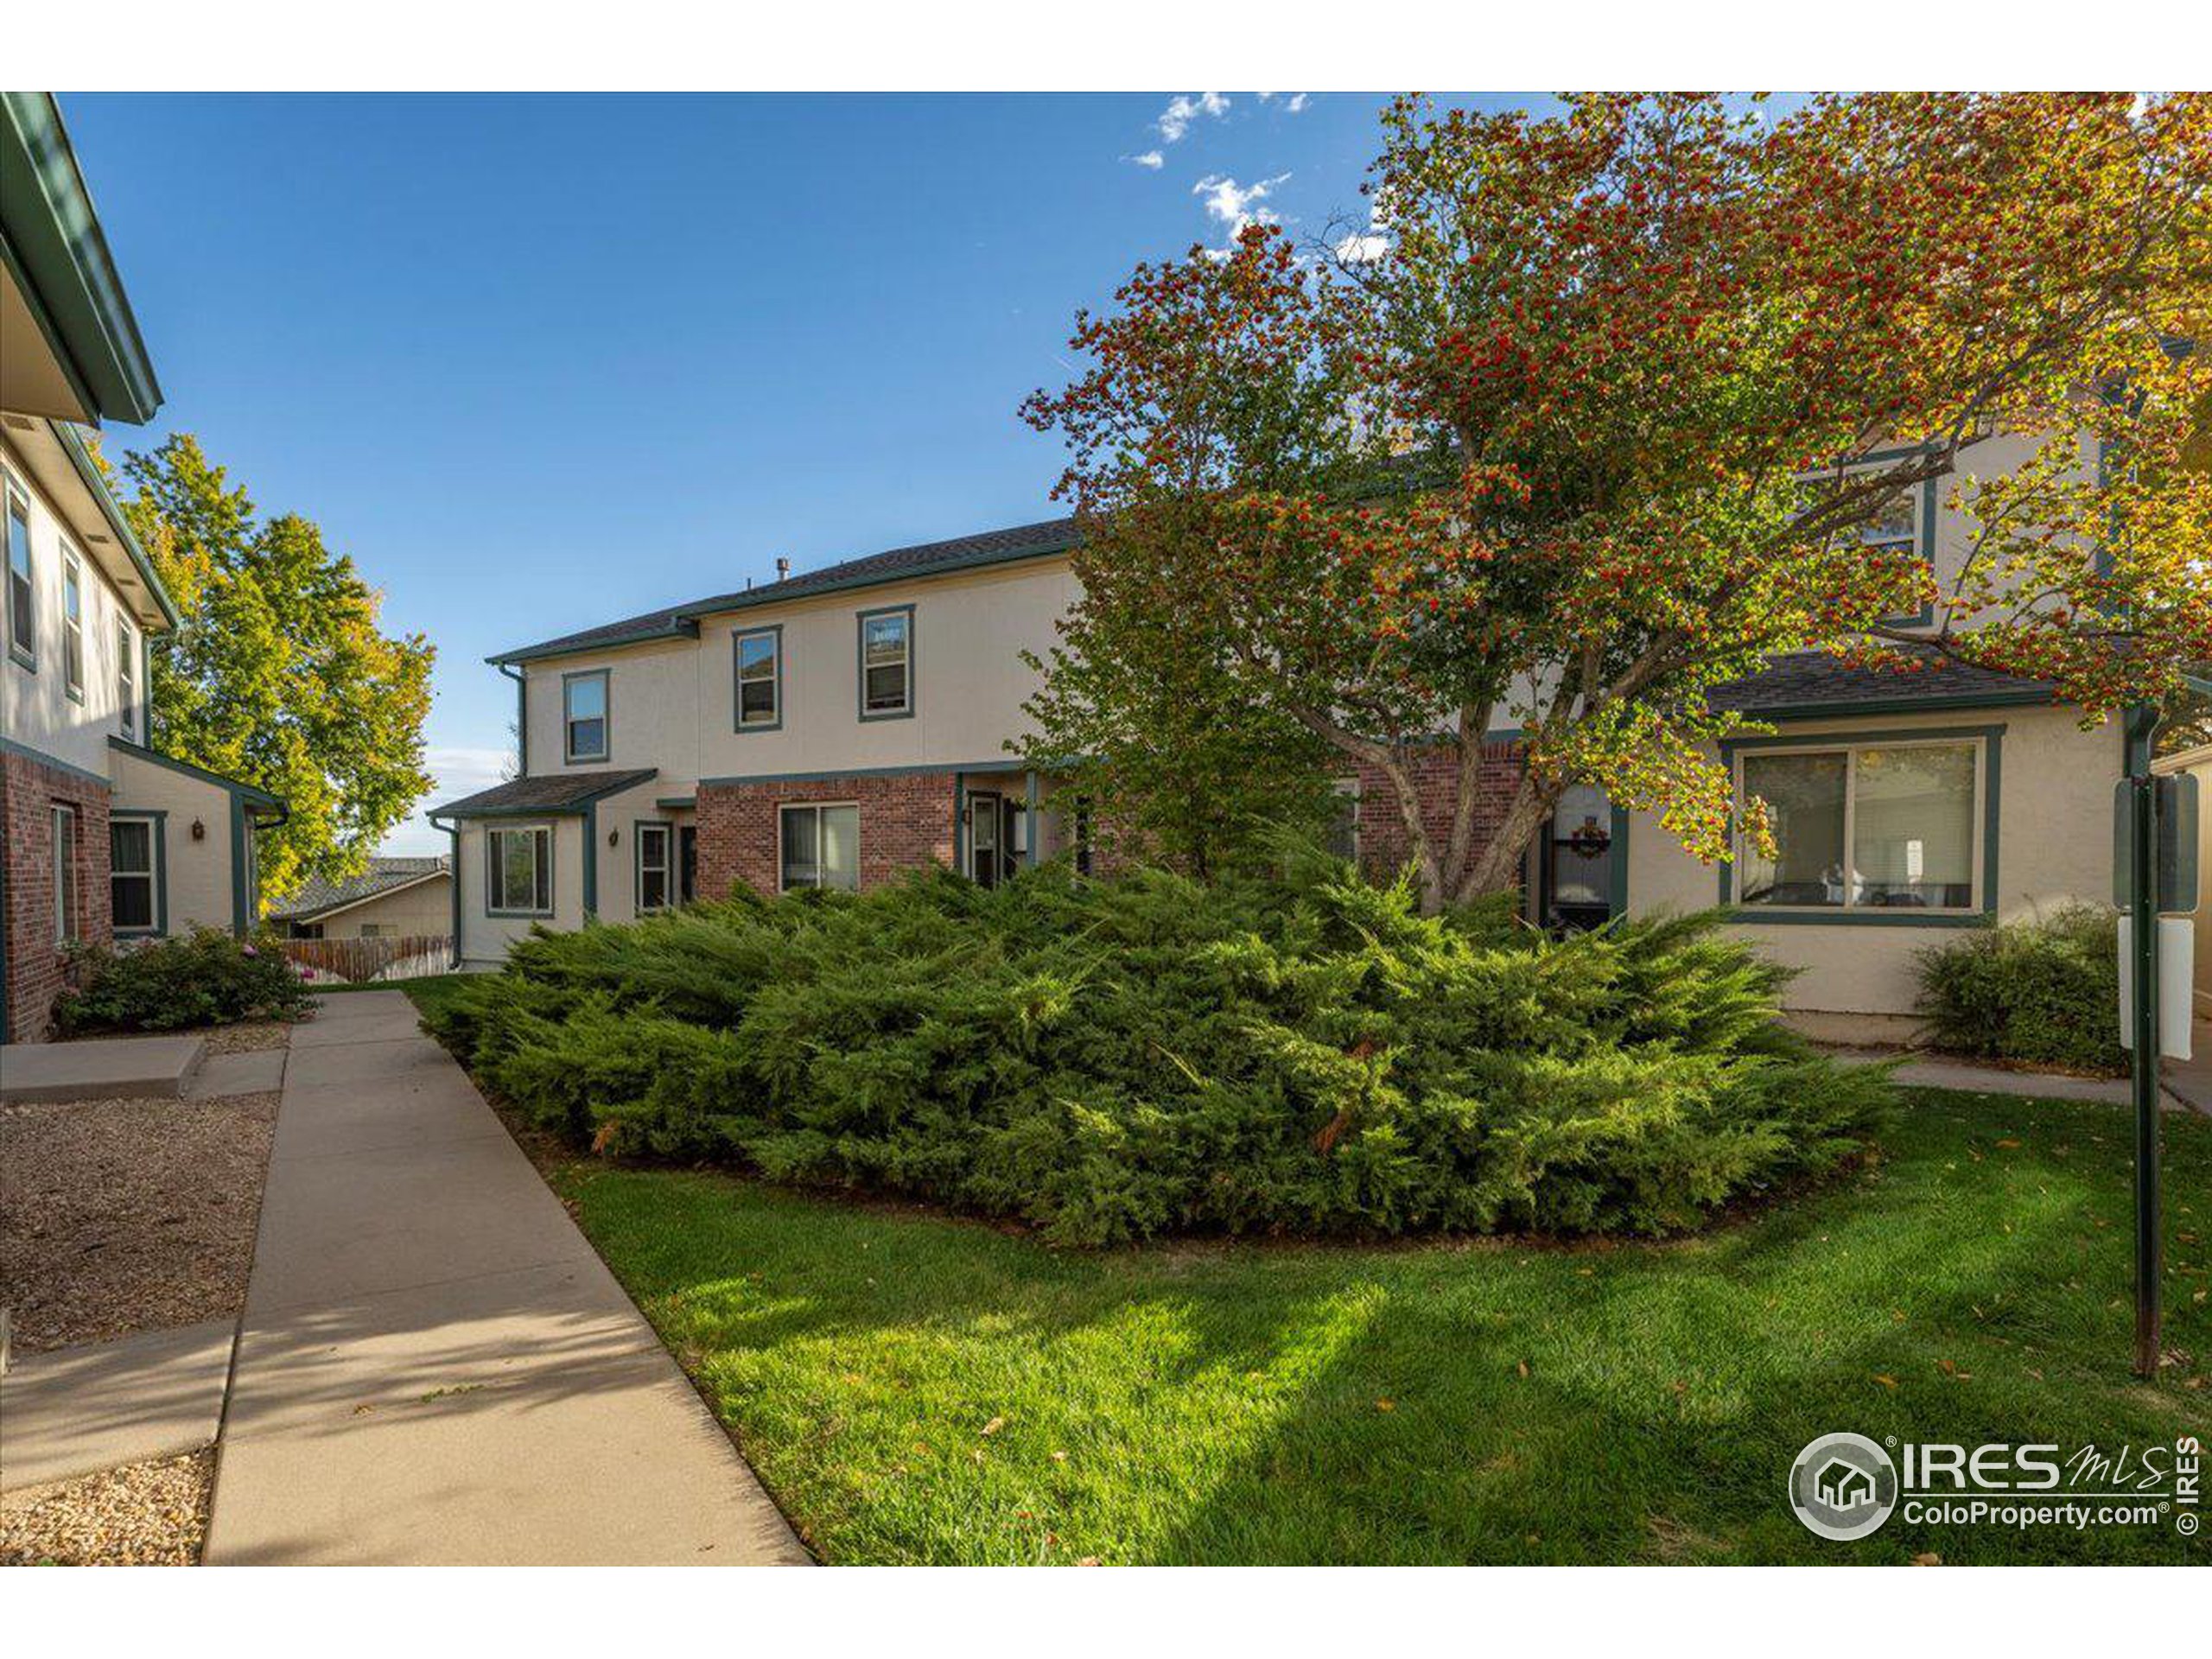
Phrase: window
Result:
[73,626]
[126,678]
[887,664]
[1888,826]
[134,875]
[583,715]
[1343,821]
[371,930]
[759,680]
[65,875]
[1903,527]
[519,879]
[653,867]
[822,847]
[22,611]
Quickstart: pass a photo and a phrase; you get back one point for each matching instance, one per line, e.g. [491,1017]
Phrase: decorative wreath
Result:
[1588,840]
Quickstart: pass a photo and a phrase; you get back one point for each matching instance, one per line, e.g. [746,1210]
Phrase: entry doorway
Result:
[998,829]
[1576,856]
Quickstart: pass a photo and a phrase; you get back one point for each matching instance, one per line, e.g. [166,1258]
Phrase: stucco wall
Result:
[2054,787]
[673,703]
[484,939]
[36,710]
[199,892]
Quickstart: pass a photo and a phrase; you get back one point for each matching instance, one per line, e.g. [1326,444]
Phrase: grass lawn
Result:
[914,1389]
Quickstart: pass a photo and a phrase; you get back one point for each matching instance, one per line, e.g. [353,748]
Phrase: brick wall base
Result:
[29,790]
[1383,844]
[906,823]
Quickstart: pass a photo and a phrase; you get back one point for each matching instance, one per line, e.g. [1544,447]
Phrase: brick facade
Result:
[1383,847]
[29,790]
[905,823]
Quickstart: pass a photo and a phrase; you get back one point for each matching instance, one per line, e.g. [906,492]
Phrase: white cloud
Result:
[1151,158]
[1294,105]
[1175,120]
[1237,205]
[1364,249]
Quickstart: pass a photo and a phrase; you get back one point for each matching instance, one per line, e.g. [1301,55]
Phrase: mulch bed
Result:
[152,1514]
[121,1215]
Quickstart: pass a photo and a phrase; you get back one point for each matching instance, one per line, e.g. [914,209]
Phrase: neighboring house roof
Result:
[528,796]
[384,876]
[899,564]
[1805,684]
[58,254]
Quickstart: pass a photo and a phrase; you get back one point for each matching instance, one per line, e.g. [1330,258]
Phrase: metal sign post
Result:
[2143,941]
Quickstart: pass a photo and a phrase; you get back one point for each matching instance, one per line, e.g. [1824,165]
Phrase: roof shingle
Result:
[552,792]
[924,558]
[1813,682]
[383,876]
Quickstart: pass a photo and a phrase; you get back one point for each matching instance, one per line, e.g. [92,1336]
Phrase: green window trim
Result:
[570,755]
[22,629]
[493,885]
[666,830]
[859,654]
[773,632]
[157,872]
[72,625]
[1989,779]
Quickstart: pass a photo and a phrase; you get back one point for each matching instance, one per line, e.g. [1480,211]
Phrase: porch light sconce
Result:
[613,835]
[199,830]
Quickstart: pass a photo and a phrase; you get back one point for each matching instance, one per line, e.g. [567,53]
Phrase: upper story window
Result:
[583,715]
[1903,525]
[126,678]
[1890,826]
[72,625]
[23,596]
[888,663]
[760,679]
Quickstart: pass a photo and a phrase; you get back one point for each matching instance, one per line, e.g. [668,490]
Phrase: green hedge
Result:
[2042,993]
[1114,1060]
[205,977]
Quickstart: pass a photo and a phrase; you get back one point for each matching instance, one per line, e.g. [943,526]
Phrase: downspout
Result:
[452,865]
[520,677]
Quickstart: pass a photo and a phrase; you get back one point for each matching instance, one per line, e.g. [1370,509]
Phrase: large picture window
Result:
[822,847]
[655,866]
[759,680]
[23,593]
[134,875]
[1892,826]
[519,877]
[584,717]
[888,663]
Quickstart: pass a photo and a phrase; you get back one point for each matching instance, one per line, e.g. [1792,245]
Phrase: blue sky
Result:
[537,362]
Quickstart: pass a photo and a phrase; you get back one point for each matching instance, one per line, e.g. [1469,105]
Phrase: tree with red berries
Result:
[1599,412]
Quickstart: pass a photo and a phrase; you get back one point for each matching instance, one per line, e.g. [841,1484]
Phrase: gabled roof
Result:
[1806,684]
[553,793]
[384,875]
[924,559]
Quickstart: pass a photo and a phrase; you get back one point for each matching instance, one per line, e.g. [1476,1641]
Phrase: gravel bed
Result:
[121,1215]
[247,1037]
[152,1514]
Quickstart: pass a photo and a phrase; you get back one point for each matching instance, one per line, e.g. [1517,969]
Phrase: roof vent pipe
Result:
[783,569]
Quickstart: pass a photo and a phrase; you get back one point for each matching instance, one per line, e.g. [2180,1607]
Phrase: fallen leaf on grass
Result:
[1886,1381]
[995,1424]
[1522,1366]
[1385,1405]
[1928,1558]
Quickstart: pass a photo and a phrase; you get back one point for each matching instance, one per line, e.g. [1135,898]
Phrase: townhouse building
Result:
[102,837]
[838,726]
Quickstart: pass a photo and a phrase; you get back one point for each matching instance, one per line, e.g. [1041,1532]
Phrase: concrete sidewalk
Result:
[74,1411]
[433,1365]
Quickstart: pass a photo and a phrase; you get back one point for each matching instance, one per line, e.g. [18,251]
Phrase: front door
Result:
[1578,856]
[984,841]
[687,864]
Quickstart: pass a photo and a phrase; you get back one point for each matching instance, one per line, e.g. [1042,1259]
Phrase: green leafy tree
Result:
[1595,412]
[277,674]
